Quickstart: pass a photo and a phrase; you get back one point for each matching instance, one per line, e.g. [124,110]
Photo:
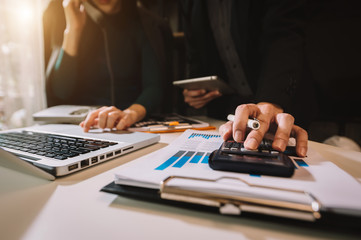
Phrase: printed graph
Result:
[205,136]
[181,158]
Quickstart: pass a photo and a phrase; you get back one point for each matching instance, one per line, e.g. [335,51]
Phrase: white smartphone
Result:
[209,83]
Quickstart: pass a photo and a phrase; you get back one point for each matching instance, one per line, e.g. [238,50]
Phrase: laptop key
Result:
[41,153]
[71,154]
[60,157]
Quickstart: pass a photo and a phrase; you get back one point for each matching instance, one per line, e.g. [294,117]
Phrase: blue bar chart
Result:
[300,162]
[205,159]
[205,136]
[170,161]
[181,158]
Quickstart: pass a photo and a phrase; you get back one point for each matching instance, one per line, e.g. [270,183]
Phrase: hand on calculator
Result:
[272,119]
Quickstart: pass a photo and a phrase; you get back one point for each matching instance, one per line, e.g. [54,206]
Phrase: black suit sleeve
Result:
[282,49]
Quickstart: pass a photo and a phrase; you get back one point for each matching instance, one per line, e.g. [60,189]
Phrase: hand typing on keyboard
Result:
[273,120]
[113,118]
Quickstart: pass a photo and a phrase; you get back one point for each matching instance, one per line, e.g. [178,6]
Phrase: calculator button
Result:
[228,145]
[235,146]
[249,150]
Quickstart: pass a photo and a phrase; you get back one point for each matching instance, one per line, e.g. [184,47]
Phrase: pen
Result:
[251,123]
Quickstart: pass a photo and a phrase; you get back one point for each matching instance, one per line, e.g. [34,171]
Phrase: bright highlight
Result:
[24,14]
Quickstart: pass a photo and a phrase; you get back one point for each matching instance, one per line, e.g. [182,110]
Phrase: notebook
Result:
[61,149]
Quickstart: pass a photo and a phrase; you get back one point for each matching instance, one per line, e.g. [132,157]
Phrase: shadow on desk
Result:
[22,206]
[24,198]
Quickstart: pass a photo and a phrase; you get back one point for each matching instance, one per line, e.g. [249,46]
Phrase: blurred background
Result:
[333,52]
[21,56]
[21,61]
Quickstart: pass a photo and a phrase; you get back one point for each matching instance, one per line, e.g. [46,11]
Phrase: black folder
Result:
[323,218]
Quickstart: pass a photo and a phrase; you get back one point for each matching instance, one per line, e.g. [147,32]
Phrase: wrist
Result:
[278,107]
[71,41]
[136,111]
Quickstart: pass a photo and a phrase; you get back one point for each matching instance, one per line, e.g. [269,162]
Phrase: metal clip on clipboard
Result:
[234,205]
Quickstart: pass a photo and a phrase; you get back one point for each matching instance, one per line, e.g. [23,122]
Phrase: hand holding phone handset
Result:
[95,14]
[75,17]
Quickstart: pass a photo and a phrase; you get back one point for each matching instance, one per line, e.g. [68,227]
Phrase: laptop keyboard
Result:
[50,145]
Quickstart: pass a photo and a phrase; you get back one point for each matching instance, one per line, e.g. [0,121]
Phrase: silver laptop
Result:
[61,149]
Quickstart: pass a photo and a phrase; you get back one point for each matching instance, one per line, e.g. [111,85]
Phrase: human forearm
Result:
[75,21]
[62,80]
[136,111]
[71,42]
[282,49]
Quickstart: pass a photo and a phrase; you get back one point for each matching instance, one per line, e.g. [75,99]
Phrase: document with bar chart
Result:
[187,156]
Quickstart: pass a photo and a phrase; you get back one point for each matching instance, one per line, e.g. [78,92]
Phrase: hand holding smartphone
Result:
[209,83]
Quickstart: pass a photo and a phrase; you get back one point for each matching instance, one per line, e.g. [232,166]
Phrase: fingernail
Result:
[277,145]
[238,136]
[121,126]
[251,143]
[303,151]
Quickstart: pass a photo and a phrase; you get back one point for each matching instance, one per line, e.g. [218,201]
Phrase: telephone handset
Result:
[98,16]
[95,14]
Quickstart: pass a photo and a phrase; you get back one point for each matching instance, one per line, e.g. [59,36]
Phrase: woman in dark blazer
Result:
[113,57]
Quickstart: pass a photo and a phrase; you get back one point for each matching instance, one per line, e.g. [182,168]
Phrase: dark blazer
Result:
[156,30]
[333,49]
[269,40]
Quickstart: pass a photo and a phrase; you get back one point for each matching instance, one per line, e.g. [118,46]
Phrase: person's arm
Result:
[200,97]
[75,17]
[152,78]
[148,101]
[62,80]
[282,49]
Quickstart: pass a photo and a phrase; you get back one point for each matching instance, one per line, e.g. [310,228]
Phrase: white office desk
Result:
[72,207]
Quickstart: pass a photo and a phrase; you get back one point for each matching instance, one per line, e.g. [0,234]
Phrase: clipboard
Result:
[285,212]
[225,203]
[178,174]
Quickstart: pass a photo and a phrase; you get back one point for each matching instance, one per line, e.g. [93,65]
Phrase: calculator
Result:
[233,156]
